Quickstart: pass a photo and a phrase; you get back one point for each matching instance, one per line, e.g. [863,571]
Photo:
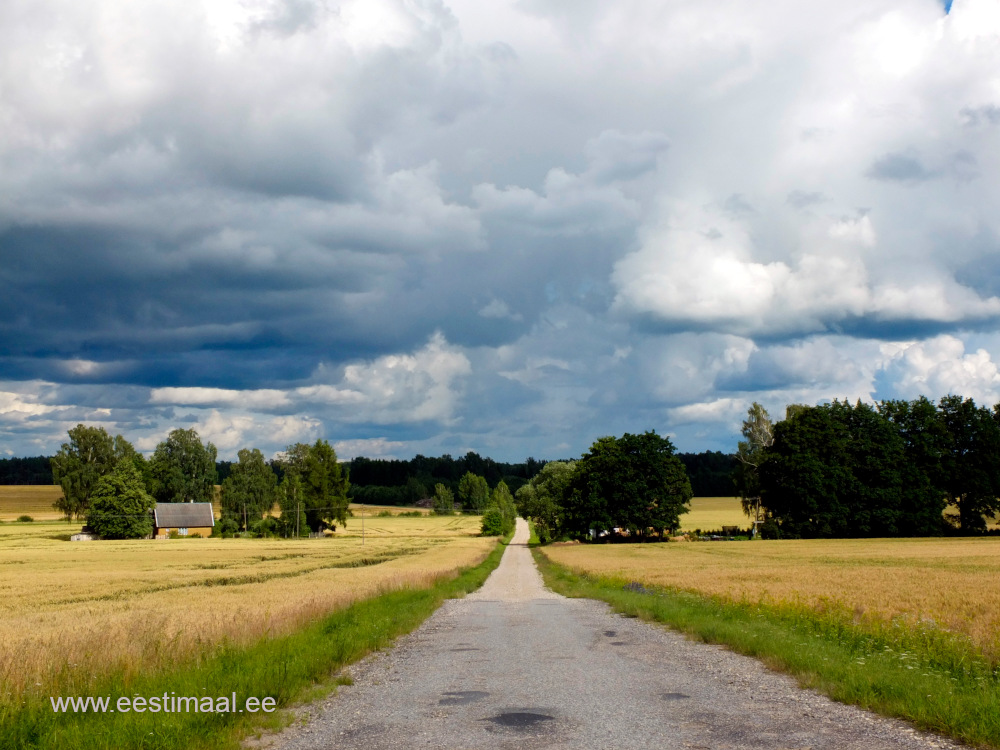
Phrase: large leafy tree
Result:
[183,469]
[120,507]
[758,436]
[324,483]
[250,490]
[925,443]
[834,470]
[473,491]
[970,469]
[541,499]
[293,516]
[79,465]
[634,484]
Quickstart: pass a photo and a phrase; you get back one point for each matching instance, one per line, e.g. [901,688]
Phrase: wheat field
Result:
[951,583]
[33,500]
[712,513]
[93,608]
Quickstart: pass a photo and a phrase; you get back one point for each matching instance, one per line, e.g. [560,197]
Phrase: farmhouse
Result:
[187,519]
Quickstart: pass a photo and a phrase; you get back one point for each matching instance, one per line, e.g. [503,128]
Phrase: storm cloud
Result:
[434,226]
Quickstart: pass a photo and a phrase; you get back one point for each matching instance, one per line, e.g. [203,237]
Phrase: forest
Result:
[402,482]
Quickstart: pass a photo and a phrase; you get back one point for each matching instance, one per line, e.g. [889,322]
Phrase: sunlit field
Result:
[367,511]
[712,513]
[952,582]
[33,500]
[91,608]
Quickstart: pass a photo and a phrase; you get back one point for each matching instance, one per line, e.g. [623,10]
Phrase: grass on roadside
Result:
[287,668]
[935,679]
[533,540]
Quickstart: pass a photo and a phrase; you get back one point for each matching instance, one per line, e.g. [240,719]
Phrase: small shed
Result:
[187,519]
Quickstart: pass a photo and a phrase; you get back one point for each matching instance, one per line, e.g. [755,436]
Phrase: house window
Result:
[182,532]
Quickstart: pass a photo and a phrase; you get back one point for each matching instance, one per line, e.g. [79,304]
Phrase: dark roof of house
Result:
[183,515]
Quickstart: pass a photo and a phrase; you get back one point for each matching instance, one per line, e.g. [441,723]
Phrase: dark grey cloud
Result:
[988,114]
[900,167]
[737,204]
[802,199]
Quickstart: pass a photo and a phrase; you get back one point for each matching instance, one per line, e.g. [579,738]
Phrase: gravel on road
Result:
[515,665]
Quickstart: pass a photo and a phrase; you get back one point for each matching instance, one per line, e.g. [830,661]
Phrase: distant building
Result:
[187,519]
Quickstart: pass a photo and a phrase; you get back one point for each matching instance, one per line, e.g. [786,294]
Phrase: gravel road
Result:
[515,665]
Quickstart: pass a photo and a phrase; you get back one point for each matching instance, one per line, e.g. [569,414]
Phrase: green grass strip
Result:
[288,668]
[934,679]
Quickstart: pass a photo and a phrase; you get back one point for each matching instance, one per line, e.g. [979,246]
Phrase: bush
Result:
[226,528]
[25,519]
[266,527]
[493,522]
[770,530]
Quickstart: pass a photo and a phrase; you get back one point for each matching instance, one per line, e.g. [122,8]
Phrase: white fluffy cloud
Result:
[230,432]
[21,406]
[701,269]
[942,366]
[420,386]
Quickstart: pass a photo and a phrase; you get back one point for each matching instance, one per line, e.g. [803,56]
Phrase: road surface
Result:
[515,666]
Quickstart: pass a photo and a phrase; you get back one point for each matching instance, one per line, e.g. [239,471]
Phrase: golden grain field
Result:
[953,582]
[97,607]
[368,511]
[33,500]
[712,513]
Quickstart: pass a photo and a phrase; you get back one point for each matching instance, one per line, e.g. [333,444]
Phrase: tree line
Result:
[895,468]
[114,487]
[630,486]
[28,470]
[394,482]
[382,481]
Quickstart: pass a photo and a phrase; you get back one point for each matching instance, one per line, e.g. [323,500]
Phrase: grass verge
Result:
[288,669]
[932,678]
[533,540]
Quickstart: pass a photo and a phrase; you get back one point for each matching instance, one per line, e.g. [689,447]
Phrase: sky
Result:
[418,226]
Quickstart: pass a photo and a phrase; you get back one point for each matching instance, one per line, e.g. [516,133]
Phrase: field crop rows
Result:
[72,612]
